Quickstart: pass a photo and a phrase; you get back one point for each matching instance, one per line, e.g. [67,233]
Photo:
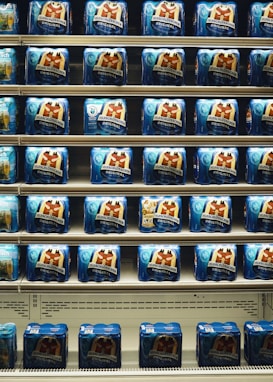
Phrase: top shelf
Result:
[136,41]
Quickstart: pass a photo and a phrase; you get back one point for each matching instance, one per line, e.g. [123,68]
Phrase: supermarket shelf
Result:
[142,90]
[135,41]
[138,375]
[144,140]
[85,187]
[129,283]
[133,237]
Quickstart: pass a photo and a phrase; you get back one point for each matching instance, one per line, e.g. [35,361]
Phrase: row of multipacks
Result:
[100,263]
[161,214]
[158,18]
[159,66]
[161,165]
[159,116]
[45,346]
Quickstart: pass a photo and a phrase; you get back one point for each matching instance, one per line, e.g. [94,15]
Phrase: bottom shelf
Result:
[131,372]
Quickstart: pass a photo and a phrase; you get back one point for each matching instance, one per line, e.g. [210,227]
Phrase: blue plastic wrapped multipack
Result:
[260,19]
[105,214]
[47,262]
[46,165]
[8,66]
[163,66]
[47,214]
[216,165]
[158,262]
[259,165]
[99,346]
[8,345]
[210,214]
[8,164]
[160,214]
[258,213]
[105,116]
[216,18]
[164,165]
[98,262]
[218,344]
[215,262]
[258,342]
[258,261]
[9,18]
[49,17]
[9,213]
[8,115]
[47,66]
[163,116]
[106,18]
[163,18]
[216,117]
[105,66]
[47,116]
[160,345]
[9,262]
[217,67]
[45,346]
[260,68]
[259,117]
[111,165]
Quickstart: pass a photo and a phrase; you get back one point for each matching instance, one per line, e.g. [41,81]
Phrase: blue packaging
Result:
[9,18]
[111,165]
[45,346]
[260,19]
[8,345]
[105,116]
[260,67]
[163,18]
[105,66]
[258,213]
[164,165]
[9,262]
[218,19]
[217,67]
[105,214]
[163,116]
[8,115]
[218,344]
[163,66]
[216,165]
[47,116]
[160,345]
[46,165]
[9,213]
[216,117]
[258,261]
[160,214]
[215,262]
[259,117]
[47,214]
[8,165]
[99,346]
[47,66]
[258,342]
[259,165]
[106,18]
[8,66]
[98,262]
[47,262]
[158,262]
[49,17]
[210,214]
